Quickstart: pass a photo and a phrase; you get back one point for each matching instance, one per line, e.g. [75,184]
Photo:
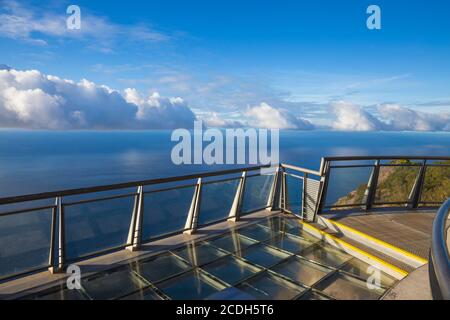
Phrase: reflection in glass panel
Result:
[60,292]
[289,243]
[346,186]
[146,294]
[436,187]
[199,254]
[302,271]
[257,232]
[193,285]
[294,194]
[363,270]
[166,212]
[326,255]
[95,226]
[270,287]
[256,193]
[344,287]
[313,295]
[395,183]
[300,232]
[230,269]
[160,267]
[112,284]
[24,241]
[216,201]
[278,223]
[263,255]
[232,242]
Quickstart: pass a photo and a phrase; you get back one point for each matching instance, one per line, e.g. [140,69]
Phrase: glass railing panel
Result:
[395,184]
[256,193]
[343,287]
[294,194]
[166,212]
[216,200]
[267,286]
[436,187]
[346,186]
[24,241]
[96,226]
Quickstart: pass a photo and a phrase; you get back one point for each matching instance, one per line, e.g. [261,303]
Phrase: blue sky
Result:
[225,56]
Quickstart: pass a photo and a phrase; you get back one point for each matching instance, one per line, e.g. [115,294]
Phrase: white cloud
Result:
[30,99]
[266,116]
[31,24]
[216,120]
[350,117]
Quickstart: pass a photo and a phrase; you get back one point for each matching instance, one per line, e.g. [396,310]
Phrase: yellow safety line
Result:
[368,255]
[381,242]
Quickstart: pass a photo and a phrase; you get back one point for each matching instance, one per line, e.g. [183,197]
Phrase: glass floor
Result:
[268,260]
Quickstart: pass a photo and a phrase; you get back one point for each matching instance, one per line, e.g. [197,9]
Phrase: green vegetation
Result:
[395,184]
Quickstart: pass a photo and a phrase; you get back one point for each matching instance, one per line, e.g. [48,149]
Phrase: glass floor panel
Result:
[113,284]
[194,285]
[267,286]
[58,293]
[199,254]
[160,267]
[302,271]
[313,295]
[232,242]
[299,232]
[363,270]
[344,287]
[277,224]
[263,255]
[257,232]
[231,270]
[289,243]
[147,294]
[326,255]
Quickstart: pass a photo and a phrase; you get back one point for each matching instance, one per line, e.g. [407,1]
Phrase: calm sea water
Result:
[38,161]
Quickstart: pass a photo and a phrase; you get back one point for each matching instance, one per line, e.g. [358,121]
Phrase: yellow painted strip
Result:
[381,242]
[368,255]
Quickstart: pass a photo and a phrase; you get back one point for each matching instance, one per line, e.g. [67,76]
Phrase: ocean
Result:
[40,161]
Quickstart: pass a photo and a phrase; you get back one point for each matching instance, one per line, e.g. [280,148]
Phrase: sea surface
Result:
[39,161]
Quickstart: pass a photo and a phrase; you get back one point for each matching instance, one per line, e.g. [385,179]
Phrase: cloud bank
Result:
[30,99]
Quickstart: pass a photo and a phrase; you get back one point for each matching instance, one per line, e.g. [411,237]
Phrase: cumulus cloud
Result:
[390,117]
[350,117]
[30,99]
[266,116]
[215,120]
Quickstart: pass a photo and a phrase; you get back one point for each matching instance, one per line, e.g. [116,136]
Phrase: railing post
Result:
[416,191]
[135,233]
[325,177]
[371,189]
[51,256]
[304,194]
[273,190]
[235,210]
[192,219]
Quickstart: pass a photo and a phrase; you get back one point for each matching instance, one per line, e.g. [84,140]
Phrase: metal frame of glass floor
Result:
[272,258]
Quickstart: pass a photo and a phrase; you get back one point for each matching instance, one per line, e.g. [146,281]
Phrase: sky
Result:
[280,64]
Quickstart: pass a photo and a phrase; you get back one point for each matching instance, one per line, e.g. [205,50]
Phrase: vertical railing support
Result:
[57,264]
[325,177]
[192,219]
[135,233]
[304,194]
[416,191]
[235,210]
[273,190]
[371,189]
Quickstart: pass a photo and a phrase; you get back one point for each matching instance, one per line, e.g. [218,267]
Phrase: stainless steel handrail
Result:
[439,255]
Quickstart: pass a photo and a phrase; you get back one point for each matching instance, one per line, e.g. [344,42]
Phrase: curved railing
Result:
[439,267]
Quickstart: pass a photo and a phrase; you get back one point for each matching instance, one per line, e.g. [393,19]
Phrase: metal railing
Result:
[64,222]
[370,179]
[439,267]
